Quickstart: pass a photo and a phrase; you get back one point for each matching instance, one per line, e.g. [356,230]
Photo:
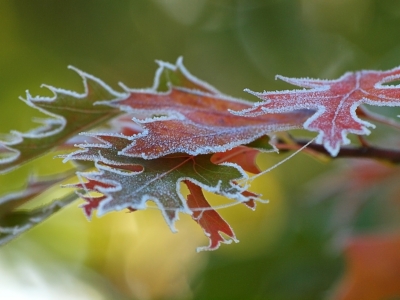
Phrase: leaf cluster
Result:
[146,143]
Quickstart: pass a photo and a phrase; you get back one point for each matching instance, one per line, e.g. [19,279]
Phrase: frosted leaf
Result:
[335,102]
[72,113]
[17,222]
[129,182]
[195,120]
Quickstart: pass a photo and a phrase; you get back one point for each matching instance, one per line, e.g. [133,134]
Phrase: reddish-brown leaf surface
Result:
[373,269]
[211,222]
[195,120]
[245,156]
[241,155]
[335,102]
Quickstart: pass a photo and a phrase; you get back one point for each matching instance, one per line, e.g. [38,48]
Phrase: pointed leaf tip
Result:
[211,222]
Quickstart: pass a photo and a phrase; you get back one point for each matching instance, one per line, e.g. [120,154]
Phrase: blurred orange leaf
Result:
[373,269]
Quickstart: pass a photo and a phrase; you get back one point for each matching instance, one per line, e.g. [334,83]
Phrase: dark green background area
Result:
[232,45]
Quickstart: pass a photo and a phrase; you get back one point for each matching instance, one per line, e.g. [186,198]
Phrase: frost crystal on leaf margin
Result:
[128,182]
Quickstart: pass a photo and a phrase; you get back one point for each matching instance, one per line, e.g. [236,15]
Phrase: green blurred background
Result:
[288,248]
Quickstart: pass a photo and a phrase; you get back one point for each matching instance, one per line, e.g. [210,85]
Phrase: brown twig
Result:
[364,151]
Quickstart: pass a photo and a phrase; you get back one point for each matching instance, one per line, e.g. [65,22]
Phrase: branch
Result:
[364,151]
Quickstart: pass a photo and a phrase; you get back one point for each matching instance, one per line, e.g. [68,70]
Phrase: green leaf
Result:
[34,187]
[129,182]
[17,222]
[72,113]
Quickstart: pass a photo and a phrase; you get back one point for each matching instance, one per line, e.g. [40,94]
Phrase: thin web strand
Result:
[215,207]
[279,163]
[227,205]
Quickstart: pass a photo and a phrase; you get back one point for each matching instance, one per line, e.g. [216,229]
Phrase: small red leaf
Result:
[92,203]
[211,222]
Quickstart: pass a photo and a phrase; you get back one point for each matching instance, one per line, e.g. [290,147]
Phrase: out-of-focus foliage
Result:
[289,248]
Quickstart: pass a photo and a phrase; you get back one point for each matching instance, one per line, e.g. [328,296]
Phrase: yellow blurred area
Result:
[139,254]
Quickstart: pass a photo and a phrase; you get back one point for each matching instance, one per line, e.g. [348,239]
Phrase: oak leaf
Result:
[194,118]
[178,131]
[335,102]
[129,182]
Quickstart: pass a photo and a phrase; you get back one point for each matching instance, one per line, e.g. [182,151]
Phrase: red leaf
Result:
[241,155]
[194,121]
[251,203]
[373,269]
[211,222]
[245,156]
[336,102]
